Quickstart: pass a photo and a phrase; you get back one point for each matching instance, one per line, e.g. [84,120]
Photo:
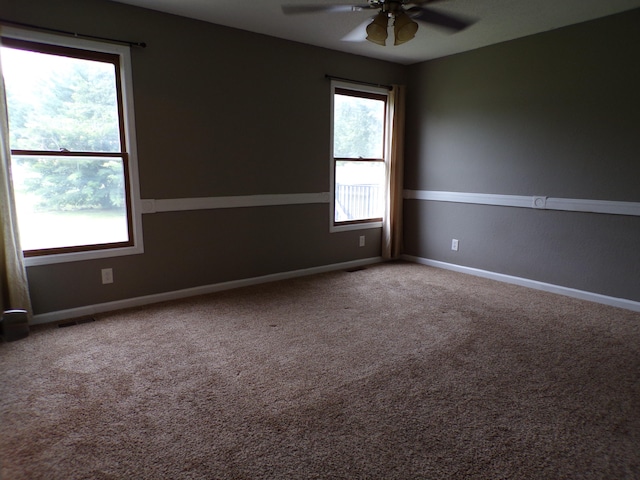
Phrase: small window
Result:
[358,163]
[70,157]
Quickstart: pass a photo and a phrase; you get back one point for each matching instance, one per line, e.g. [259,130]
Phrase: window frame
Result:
[119,56]
[362,91]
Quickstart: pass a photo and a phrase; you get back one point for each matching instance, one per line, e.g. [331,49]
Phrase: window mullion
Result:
[359,159]
[49,153]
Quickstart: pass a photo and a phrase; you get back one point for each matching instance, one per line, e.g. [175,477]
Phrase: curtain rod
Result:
[331,77]
[72,34]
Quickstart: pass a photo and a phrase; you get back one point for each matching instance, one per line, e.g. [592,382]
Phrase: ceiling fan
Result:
[403,13]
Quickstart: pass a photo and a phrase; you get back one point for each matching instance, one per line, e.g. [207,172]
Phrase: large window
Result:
[358,164]
[70,148]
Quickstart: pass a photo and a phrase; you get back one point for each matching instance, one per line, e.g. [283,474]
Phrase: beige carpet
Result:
[396,371]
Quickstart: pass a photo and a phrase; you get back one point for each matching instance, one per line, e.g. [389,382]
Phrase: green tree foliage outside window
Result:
[65,104]
[358,127]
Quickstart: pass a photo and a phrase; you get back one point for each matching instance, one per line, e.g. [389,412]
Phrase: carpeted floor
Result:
[395,371]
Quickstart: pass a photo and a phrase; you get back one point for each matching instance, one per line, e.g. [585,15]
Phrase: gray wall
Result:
[223,112]
[219,112]
[555,114]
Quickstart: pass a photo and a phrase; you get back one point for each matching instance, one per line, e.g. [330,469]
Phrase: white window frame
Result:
[337,84]
[124,54]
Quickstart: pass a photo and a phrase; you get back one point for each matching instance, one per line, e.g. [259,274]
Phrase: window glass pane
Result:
[360,190]
[358,127]
[57,103]
[69,201]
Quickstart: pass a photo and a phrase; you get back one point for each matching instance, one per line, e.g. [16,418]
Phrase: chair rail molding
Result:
[538,202]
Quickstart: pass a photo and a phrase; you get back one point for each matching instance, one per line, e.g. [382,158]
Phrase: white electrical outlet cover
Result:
[107,275]
[539,202]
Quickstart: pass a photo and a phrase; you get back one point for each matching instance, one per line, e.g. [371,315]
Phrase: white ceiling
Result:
[497,21]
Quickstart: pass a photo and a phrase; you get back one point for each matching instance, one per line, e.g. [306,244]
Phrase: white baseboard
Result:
[89,310]
[525,282]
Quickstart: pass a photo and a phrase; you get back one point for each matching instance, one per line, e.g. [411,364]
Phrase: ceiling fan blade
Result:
[422,2]
[446,20]
[296,9]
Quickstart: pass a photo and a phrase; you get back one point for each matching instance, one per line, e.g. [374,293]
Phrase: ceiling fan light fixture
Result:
[377,30]
[404,28]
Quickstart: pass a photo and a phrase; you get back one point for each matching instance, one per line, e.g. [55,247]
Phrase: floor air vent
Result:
[79,321]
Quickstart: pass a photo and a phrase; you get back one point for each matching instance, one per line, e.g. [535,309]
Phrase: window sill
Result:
[354,226]
[80,256]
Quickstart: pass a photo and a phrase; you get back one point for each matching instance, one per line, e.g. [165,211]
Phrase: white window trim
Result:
[129,124]
[333,228]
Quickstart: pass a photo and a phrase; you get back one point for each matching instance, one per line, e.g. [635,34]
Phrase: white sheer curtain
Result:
[392,224]
[14,291]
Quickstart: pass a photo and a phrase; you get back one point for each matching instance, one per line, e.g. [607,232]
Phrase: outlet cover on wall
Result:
[454,244]
[107,275]
[539,202]
[362,240]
